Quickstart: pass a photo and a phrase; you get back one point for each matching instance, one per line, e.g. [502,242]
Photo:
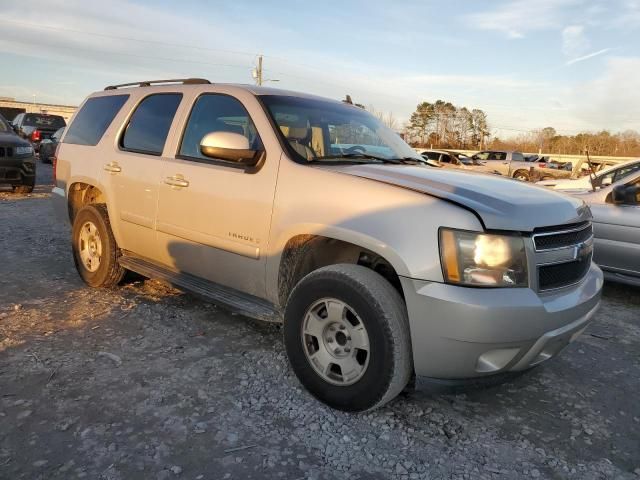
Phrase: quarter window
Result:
[150,123]
[216,113]
[93,119]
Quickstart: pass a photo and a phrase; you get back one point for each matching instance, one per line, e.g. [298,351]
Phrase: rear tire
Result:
[346,332]
[95,251]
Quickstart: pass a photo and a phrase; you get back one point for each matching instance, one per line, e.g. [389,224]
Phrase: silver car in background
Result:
[616,224]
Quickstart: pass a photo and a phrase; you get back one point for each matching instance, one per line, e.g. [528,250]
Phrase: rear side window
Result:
[149,125]
[93,119]
[517,157]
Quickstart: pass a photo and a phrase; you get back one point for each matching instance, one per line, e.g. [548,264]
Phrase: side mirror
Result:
[607,181]
[229,146]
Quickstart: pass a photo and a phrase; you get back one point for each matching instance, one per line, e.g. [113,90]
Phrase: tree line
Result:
[547,140]
[443,125]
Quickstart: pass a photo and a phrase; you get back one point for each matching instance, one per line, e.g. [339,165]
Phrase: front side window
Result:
[318,130]
[93,119]
[150,123]
[216,113]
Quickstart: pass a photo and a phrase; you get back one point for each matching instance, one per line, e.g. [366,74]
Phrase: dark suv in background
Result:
[36,127]
[17,160]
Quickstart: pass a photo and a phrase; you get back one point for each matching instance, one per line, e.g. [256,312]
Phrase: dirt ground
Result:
[148,382]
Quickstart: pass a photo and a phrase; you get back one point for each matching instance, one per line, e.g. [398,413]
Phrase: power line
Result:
[131,39]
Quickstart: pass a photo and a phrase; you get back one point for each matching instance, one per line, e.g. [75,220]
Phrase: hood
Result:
[501,204]
[10,139]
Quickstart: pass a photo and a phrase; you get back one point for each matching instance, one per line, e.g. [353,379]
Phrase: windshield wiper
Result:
[368,156]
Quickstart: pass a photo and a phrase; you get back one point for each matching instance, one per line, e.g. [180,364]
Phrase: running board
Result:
[230,298]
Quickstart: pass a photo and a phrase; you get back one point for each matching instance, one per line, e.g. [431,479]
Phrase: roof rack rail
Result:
[148,83]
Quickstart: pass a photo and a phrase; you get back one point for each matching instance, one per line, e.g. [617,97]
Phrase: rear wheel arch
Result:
[81,194]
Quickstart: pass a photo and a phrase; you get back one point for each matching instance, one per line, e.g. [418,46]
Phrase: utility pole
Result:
[259,71]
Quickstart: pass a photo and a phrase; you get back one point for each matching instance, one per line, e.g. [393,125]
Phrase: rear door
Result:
[131,171]
[213,215]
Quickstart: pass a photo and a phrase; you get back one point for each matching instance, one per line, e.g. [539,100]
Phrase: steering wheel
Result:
[355,149]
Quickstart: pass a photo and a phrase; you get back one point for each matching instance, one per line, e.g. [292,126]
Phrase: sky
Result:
[570,64]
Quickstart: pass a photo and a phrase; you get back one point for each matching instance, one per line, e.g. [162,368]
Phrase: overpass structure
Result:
[10,107]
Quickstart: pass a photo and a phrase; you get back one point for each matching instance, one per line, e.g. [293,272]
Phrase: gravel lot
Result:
[148,382]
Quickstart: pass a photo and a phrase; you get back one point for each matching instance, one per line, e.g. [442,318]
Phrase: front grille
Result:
[566,238]
[6,152]
[563,274]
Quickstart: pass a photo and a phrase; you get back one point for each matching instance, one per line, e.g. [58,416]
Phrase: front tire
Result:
[95,251]
[23,189]
[346,333]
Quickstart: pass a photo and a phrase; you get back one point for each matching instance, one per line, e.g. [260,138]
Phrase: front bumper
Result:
[17,171]
[467,333]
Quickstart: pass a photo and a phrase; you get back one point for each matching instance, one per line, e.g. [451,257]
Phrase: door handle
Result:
[176,181]
[112,167]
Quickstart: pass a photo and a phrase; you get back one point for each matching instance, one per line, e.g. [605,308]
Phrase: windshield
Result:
[326,131]
[44,121]
[4,126]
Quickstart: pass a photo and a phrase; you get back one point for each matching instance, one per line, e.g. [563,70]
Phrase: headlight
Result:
[483,260]
[24,150]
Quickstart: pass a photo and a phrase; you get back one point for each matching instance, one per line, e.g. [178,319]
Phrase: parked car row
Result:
[511,164]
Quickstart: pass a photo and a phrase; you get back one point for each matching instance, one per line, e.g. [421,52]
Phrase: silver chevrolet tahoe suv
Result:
[292,208]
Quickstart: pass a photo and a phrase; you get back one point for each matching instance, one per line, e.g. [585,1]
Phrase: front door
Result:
[213,215]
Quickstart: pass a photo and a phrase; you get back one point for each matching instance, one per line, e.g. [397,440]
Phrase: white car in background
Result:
[603,178]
